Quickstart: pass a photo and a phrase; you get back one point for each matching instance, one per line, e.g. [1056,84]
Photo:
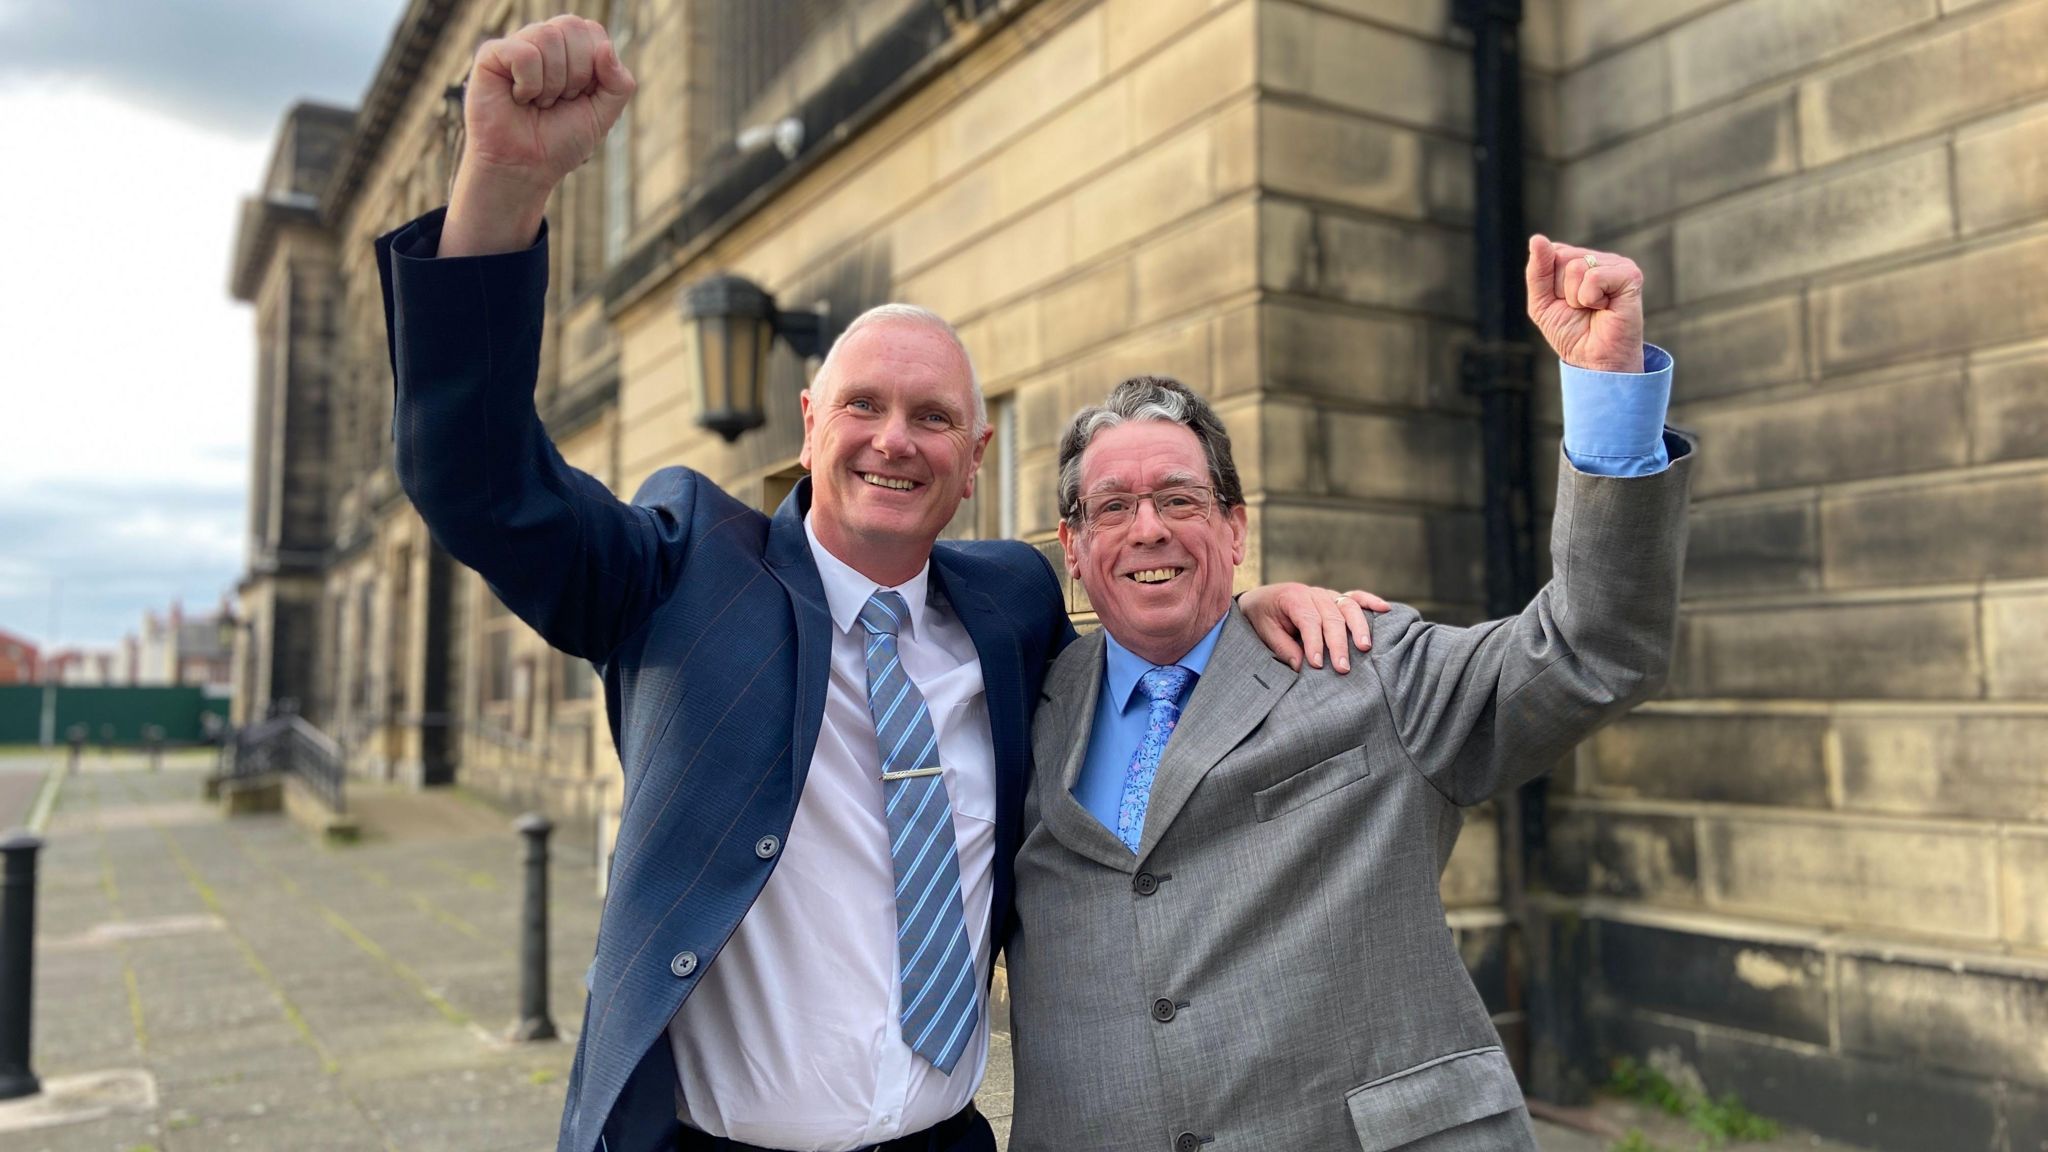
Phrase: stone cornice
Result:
[418,32]
[262,217]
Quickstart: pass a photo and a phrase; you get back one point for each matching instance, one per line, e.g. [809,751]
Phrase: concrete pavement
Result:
[271,993]
[207,984]
[21,777]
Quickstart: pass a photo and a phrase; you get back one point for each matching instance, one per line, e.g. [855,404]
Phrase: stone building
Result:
[1816,871]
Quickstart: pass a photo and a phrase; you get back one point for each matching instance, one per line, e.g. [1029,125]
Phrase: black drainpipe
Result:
[1539,968]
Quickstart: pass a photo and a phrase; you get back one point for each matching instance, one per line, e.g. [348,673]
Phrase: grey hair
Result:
[911,314]
[1160,398]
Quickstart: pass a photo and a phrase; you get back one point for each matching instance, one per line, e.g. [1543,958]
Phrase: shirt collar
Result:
[1123,667]
[847,591]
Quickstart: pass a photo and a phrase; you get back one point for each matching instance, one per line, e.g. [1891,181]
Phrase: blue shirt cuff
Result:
[1614,421]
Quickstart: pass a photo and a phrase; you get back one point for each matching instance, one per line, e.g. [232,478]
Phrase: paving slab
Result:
[284,994]
[20,779]
[67,1101]
[112,1134]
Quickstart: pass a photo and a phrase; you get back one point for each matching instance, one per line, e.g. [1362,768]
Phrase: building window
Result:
[495,629]
[618,148]
[999,468]
[498,666]
[337,666]
[398,653]
[359,681]
[991,513]
[577,678]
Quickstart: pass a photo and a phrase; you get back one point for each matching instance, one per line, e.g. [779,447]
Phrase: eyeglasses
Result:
[1103,510]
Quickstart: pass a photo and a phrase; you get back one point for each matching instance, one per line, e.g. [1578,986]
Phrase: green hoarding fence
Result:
[116,715]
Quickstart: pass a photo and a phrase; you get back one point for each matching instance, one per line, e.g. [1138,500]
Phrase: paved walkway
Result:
[232,984]
[20,778]
[283,995]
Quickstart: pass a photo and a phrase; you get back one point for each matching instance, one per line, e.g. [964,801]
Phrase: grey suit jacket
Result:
[1272,969]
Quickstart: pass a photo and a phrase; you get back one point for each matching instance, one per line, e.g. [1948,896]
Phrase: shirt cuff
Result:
[1614,421]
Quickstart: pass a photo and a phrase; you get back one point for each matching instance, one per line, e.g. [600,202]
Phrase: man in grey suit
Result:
[1229,935]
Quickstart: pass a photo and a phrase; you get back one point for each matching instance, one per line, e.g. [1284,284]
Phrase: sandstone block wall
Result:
[1813,868]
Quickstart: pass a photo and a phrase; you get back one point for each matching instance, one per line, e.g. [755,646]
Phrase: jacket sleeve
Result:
[572,560]
[1481,710]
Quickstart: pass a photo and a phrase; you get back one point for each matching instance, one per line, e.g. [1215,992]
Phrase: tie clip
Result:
[907,773]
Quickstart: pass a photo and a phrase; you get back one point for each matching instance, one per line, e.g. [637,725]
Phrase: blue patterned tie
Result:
[934,962]
[1162,686]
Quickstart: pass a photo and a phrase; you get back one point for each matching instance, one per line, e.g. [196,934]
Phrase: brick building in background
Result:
[17,659]
[90,667]
[182,650]
[1816,871]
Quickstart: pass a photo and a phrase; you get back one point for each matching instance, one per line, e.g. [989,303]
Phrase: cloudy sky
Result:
[130,131]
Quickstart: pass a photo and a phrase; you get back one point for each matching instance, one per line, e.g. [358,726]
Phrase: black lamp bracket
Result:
[808,334]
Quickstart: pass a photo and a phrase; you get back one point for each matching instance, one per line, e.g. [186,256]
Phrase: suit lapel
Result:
[995,643]
[1239,687]
[1064,728]
[789,558]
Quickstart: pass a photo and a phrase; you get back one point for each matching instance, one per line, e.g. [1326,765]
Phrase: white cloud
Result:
[133,129]
[125,368]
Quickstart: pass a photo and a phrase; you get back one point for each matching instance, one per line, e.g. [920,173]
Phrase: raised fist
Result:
[1589,305]
[541,99]
[538,103]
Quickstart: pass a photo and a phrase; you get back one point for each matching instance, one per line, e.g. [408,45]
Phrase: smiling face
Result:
[890,440]
[1158,584]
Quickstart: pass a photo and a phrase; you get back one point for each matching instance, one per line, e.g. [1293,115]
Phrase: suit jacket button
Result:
[1162,1009]
[1146,884]
[1186,1142]
[767,846]
[684,964]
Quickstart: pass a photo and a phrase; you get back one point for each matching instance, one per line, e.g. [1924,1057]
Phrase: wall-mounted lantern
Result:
[734,323]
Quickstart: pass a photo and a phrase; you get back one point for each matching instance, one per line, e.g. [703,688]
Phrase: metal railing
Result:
[288,744]
[505,739]
[248,751]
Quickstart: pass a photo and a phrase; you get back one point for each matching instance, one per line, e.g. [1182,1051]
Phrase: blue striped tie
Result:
[934,962]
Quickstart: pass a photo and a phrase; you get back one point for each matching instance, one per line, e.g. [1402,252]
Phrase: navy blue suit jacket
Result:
[710,625]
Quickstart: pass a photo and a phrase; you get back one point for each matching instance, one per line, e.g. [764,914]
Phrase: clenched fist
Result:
[538,103]
[1589,305]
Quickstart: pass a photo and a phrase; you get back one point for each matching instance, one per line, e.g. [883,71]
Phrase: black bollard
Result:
[17,960]
[154,735]
[534,1022]
[75,735]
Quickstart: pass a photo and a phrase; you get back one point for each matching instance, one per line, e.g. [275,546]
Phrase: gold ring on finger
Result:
[1591,261]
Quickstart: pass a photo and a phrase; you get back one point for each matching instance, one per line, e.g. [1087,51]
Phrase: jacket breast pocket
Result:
[1459,1089]
[1312,783]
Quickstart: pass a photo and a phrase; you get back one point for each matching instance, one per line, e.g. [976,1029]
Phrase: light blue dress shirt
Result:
[1614,421]
[1120,722]
[1613,426]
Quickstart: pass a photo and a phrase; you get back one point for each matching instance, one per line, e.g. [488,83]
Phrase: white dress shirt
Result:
[791,1040]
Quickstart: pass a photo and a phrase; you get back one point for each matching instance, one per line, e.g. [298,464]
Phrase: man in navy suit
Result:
[822,717]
